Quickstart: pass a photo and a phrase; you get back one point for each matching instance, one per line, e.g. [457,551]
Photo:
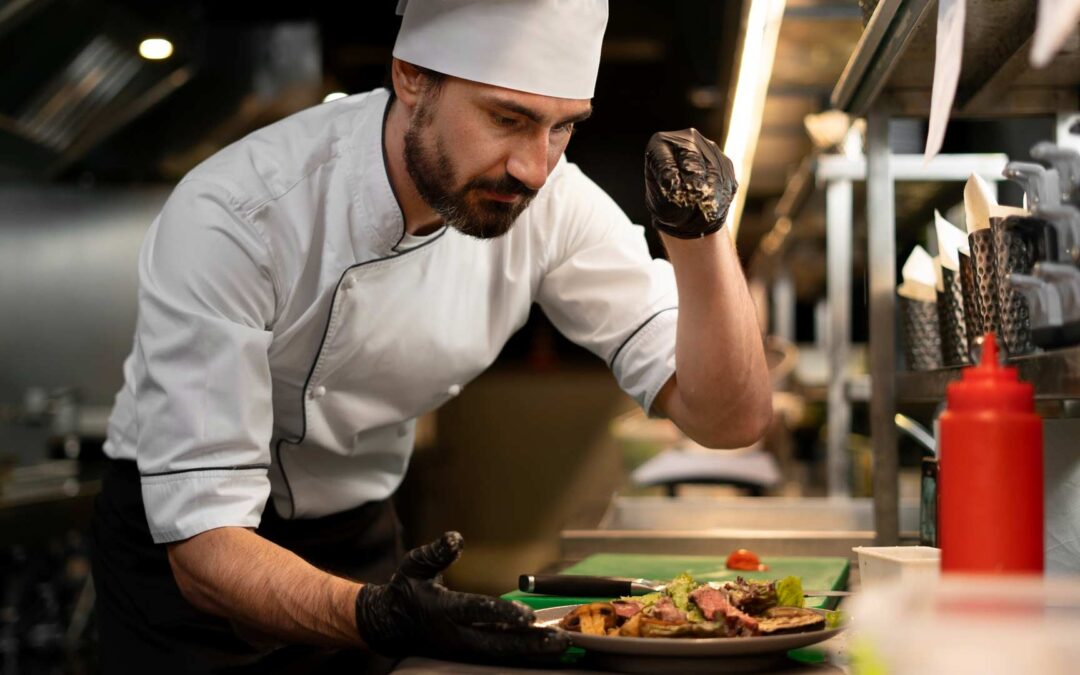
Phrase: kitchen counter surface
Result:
[833,653]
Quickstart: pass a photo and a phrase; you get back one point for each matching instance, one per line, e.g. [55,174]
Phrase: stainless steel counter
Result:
[710,526]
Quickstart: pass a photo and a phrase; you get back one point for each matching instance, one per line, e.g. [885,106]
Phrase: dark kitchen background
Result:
[92,137]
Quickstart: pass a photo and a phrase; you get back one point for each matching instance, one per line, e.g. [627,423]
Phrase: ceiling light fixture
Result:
[333,96]
[755,68]
[155,49]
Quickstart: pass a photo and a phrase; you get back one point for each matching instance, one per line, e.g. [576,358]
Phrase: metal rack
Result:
[1055,374]
[890,74]
[835,176]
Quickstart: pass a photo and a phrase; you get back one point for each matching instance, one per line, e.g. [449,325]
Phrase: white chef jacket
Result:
[289,334]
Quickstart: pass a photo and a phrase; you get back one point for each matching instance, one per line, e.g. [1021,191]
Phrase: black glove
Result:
[415,614]
[689,183]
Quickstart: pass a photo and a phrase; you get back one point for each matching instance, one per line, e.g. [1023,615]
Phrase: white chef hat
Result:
[548,47]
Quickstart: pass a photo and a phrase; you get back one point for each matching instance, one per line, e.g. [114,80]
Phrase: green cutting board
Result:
[816,573]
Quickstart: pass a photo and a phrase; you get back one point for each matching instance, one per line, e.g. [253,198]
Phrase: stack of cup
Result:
[919,313]
[983,299]
[950,295]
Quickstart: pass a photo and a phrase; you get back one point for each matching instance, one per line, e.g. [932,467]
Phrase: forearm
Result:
[235,573]
[720,395]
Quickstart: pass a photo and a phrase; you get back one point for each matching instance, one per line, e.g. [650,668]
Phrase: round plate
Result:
[686,647]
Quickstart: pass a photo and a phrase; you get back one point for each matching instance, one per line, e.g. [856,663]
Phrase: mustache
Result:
[506,185]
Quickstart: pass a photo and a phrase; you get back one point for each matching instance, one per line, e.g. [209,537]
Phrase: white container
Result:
[880,565]
[970,625]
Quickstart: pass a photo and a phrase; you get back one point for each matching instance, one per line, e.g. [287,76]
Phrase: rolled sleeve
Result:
[203,392]
[185,504]
[604,291]
[646,361]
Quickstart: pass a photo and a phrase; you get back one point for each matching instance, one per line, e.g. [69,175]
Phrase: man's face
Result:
[478,154]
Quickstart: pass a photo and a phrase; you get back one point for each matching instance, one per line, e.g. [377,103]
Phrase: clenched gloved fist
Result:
[689,183]
[415,614]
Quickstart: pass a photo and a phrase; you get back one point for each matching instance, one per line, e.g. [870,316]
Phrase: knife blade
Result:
[581,585]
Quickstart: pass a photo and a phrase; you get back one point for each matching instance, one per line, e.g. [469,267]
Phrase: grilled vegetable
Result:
[592,619]
[779,620]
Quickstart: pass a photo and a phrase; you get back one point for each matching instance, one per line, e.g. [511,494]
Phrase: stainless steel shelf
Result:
[894,60]
[1055,374]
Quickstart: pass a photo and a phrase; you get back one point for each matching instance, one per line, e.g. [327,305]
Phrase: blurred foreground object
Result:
[961,624]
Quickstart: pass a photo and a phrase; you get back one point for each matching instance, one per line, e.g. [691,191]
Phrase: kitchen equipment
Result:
[709,526]
[928,501]
[826,573]
[1044,307]
[751,469]
[951,320]
[922,339]
[1018,241]
[991,472]
[1064,281]
[616,587]
[1064,221]
[980,208]
[918,312]
[972,309]
[984,275]
[1041,185]
[878,565]
[927,480]
[952,323]
[1066,162]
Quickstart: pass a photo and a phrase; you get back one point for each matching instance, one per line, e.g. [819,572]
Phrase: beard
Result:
[464,209]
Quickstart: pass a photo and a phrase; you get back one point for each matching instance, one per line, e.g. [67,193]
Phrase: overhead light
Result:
[755,69]
[333,96]
[155,49]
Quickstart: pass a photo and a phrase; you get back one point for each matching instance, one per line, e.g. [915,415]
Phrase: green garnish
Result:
[679,589]
[834,618]
[647,600]
[789,592]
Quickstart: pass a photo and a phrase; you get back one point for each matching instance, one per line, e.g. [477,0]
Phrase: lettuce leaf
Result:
[834,618]
[789,592]
[679,589]
[647,600]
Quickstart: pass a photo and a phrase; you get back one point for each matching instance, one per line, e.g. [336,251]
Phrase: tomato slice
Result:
[743,559]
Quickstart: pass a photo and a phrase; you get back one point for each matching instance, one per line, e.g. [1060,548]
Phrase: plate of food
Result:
[744,617]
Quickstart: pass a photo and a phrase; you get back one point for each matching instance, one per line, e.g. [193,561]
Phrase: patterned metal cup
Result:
[1015,248]
[972,310]
[922,341]
[984,277]
[951,323]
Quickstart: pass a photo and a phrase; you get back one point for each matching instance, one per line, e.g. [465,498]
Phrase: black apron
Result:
[146,626]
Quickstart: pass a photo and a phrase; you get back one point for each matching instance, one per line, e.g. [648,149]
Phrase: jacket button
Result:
[347,284]
[317,392]
[454,389]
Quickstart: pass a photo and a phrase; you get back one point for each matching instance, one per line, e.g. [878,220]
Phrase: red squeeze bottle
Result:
[991,472]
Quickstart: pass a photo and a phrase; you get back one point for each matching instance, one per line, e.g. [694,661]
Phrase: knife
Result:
[579,585]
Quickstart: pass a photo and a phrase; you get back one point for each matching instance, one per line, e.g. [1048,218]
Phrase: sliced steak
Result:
[665,610]
[715,606]
[624,609]
[711,602]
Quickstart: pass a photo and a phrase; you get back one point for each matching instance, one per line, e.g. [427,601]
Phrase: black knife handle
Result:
[574,585]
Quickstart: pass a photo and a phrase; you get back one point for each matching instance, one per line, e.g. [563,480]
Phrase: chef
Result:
[309,291]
